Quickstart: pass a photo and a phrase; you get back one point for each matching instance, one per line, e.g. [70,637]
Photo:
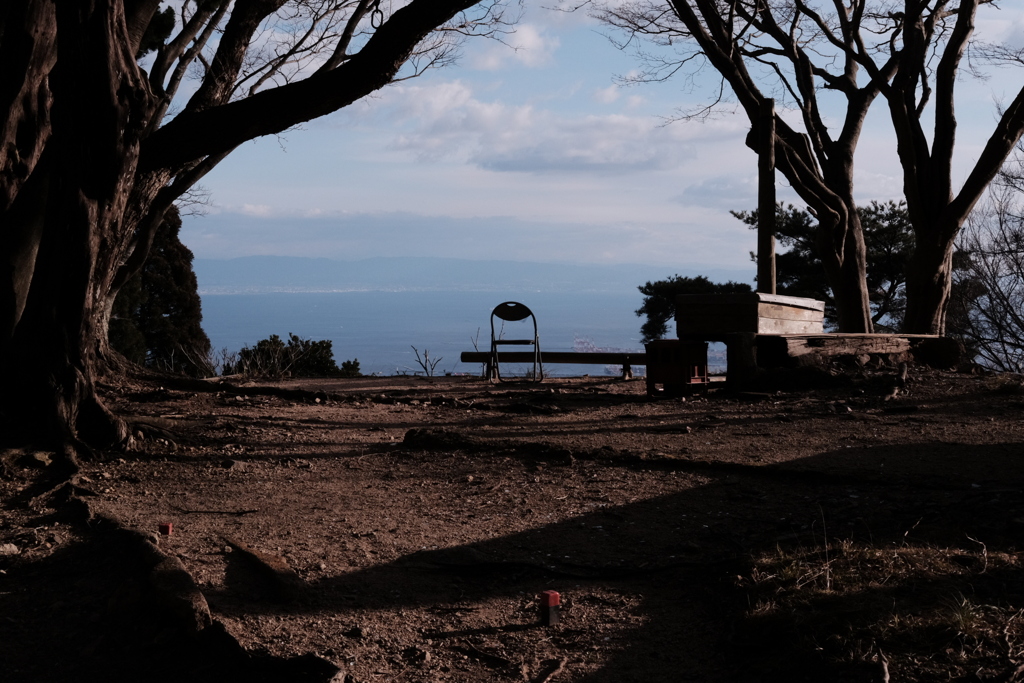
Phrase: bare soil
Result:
[403,529]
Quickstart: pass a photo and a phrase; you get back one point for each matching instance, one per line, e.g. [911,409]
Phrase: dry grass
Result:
[935,613]
[1007,383]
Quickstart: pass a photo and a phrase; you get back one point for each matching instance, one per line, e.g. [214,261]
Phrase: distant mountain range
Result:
[258,274]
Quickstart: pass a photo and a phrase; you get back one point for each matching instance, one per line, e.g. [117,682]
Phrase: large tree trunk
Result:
[936,212]
[87,169]
[845,266]
[929,279]
[840,237]
[64,228]
[936,221]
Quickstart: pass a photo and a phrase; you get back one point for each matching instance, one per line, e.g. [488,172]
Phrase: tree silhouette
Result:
[95,147]
[889,242]
[660,300]
[830,62]
[157,316]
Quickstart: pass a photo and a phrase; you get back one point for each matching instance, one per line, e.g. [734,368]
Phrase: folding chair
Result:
[512,311]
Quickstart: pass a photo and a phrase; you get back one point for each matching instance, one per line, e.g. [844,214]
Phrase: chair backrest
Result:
[512,311]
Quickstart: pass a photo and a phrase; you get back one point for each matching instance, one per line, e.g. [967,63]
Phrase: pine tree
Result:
[889,240]
[660,300]
[158,314]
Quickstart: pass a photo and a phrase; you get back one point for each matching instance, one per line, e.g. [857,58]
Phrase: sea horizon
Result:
[383,330]
[377,311]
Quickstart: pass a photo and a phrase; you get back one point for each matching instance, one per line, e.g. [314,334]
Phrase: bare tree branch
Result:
[210,124]
[341,49]
[206,19]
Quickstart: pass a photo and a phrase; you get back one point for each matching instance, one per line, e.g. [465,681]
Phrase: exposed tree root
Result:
[287,584]
[169,613]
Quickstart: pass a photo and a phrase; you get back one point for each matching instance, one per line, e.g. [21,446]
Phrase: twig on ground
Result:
[984,554]
[883,665]
[550,670]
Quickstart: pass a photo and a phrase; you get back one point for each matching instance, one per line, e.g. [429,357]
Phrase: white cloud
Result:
[1003,26]
[261,210]
[531,45]
[445,121]
[870,186]
[601,143]
[334,235]
[727,192]
[561,14]
[608,95]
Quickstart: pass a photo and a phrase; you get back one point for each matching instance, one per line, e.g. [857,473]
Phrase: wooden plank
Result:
[792,301]
[707,312]
[775,326]
[793,350]
[789,313]
[751,312]
[750,324]
[841,346]
[564,357]
[766,197]
[748,299]
[856,335]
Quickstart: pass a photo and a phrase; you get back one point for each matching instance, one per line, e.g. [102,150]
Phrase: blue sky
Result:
[533,154]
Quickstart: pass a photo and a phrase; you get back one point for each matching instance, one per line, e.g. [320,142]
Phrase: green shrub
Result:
[272,357]
[660,300]
[350,368]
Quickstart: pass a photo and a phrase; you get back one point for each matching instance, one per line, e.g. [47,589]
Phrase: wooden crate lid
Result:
[748,299]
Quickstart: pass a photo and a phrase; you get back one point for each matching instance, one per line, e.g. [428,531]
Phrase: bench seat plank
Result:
[566,357]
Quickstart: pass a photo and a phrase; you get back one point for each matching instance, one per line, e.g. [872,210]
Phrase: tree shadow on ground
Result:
[692,560]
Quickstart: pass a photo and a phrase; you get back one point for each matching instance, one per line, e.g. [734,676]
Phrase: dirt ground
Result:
[403,529]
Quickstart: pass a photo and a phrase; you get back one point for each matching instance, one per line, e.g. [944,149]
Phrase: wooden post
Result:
[766,199]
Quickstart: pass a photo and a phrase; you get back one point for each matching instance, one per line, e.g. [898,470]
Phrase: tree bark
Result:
[846,275]
[68,215]
[929,278]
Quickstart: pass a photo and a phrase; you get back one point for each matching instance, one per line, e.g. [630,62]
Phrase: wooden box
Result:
[676,365]
[710,315]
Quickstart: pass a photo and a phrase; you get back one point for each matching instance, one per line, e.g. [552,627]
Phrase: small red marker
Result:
[550,603]
[165,528]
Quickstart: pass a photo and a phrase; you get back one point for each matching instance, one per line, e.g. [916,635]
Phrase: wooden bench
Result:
[626,359]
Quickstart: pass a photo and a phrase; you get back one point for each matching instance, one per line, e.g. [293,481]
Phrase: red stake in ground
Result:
[550,603]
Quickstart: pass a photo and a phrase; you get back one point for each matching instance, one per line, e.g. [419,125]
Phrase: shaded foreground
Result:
[399,529]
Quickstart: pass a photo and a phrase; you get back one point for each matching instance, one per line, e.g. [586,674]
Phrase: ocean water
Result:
[379,329]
